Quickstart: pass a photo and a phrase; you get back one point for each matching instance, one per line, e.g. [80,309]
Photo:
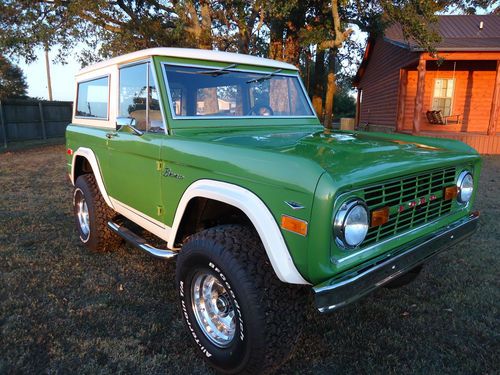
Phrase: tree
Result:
[288,30]
[12,81]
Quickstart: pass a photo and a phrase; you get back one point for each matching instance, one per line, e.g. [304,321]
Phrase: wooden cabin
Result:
[454,93]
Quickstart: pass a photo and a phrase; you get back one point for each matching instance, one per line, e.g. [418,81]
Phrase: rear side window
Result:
[93,99]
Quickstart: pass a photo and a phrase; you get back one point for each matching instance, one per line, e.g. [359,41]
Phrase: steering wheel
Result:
[261,110]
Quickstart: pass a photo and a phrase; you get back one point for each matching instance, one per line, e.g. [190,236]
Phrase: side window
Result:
[93,99]
[139,97]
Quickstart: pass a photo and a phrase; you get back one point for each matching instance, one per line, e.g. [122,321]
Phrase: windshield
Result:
[221,92]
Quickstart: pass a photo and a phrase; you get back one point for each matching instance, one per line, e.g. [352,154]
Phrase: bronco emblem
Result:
[169,173]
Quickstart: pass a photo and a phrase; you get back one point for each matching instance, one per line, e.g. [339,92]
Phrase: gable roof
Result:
[190,53]
[458,33]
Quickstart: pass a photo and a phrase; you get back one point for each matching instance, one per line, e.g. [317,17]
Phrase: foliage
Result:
[12,81]
[312,34]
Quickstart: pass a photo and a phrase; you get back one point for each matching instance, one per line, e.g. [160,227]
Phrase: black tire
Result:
[268,313]
[98,237]
[404,279]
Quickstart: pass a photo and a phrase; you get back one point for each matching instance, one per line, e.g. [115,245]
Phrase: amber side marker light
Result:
[450,192]
[294,225]
[379,217]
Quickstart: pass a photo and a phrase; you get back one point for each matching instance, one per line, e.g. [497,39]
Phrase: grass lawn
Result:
[65,310]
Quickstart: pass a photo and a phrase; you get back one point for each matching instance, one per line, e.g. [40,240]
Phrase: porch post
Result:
[403,84]
[419,98]
[495,104]
[358,108]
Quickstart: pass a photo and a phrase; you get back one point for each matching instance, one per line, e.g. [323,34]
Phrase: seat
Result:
[436,117]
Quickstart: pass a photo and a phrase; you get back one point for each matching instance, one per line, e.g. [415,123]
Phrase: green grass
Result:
[63,309]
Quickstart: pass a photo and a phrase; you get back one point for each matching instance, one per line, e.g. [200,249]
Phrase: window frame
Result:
[439,97]
[176,117]
[150,68]
[108,76]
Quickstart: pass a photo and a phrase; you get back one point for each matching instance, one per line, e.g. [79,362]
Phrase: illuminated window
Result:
[443,95]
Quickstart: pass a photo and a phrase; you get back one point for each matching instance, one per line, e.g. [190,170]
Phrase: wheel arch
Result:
[83,159]
[256,212]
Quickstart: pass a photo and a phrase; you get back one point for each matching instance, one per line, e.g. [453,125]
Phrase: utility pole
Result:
[47,67]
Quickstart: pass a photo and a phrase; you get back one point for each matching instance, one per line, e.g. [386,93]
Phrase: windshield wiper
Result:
[266,77]
[216,72]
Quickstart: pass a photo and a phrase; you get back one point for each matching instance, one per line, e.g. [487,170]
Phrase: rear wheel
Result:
[241,317]
[92,215]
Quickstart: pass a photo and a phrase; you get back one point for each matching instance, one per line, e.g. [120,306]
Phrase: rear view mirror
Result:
[128,122]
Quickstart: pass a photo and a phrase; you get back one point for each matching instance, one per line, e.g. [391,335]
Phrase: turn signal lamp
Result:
[293,224]
[379,217]
[450,192]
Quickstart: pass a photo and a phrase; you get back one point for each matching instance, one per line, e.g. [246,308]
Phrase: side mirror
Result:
[128,122]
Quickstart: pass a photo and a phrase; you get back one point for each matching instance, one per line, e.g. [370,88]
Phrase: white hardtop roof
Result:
[190,53]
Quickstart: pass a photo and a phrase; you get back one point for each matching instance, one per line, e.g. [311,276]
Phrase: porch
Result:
[464,88]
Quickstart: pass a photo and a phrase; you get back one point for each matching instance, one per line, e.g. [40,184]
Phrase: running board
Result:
[140,242]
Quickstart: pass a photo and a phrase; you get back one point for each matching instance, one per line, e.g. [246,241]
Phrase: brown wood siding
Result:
[484,144]
[472,100]
[380,83]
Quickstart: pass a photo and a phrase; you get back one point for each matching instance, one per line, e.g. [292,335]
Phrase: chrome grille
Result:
[400,193]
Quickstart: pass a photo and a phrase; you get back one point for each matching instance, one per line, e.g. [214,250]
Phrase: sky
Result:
[63,77]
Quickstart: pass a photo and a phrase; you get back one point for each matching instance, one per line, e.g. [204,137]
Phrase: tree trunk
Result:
[419,96]
[330,89]
[318,83]
[292,45]
[201,29]
[276,42]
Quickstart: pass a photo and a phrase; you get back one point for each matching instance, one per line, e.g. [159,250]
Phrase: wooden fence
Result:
[32,119]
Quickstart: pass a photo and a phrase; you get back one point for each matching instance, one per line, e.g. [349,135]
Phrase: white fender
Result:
[257,212]
[88,154]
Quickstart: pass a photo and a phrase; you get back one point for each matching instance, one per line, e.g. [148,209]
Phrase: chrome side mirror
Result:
[128,122]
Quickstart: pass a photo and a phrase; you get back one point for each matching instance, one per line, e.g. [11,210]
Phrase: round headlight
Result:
[351,223]
[465,185]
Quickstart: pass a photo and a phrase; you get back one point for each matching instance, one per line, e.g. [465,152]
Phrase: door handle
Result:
[111,135]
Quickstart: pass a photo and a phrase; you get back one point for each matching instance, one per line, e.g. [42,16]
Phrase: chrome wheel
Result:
[82,213]
[213,309]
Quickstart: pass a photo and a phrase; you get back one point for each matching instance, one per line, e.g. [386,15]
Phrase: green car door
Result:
[135,150]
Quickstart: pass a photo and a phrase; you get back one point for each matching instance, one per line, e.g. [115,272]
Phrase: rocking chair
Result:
[437,118]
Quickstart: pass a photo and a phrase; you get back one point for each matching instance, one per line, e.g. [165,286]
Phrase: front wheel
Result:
[241,317]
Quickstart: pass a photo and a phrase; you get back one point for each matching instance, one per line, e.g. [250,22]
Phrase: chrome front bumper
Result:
[348,287]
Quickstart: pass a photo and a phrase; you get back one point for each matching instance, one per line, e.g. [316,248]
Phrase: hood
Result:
[354,156]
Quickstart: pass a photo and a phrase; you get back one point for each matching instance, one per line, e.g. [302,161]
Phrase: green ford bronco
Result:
[218,159]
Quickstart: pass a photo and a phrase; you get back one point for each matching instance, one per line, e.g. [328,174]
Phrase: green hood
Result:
[349,157]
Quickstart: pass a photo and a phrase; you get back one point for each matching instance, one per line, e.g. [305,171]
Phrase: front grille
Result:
[400,193]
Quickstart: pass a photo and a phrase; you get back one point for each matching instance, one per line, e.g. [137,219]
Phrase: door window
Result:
[139,98]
